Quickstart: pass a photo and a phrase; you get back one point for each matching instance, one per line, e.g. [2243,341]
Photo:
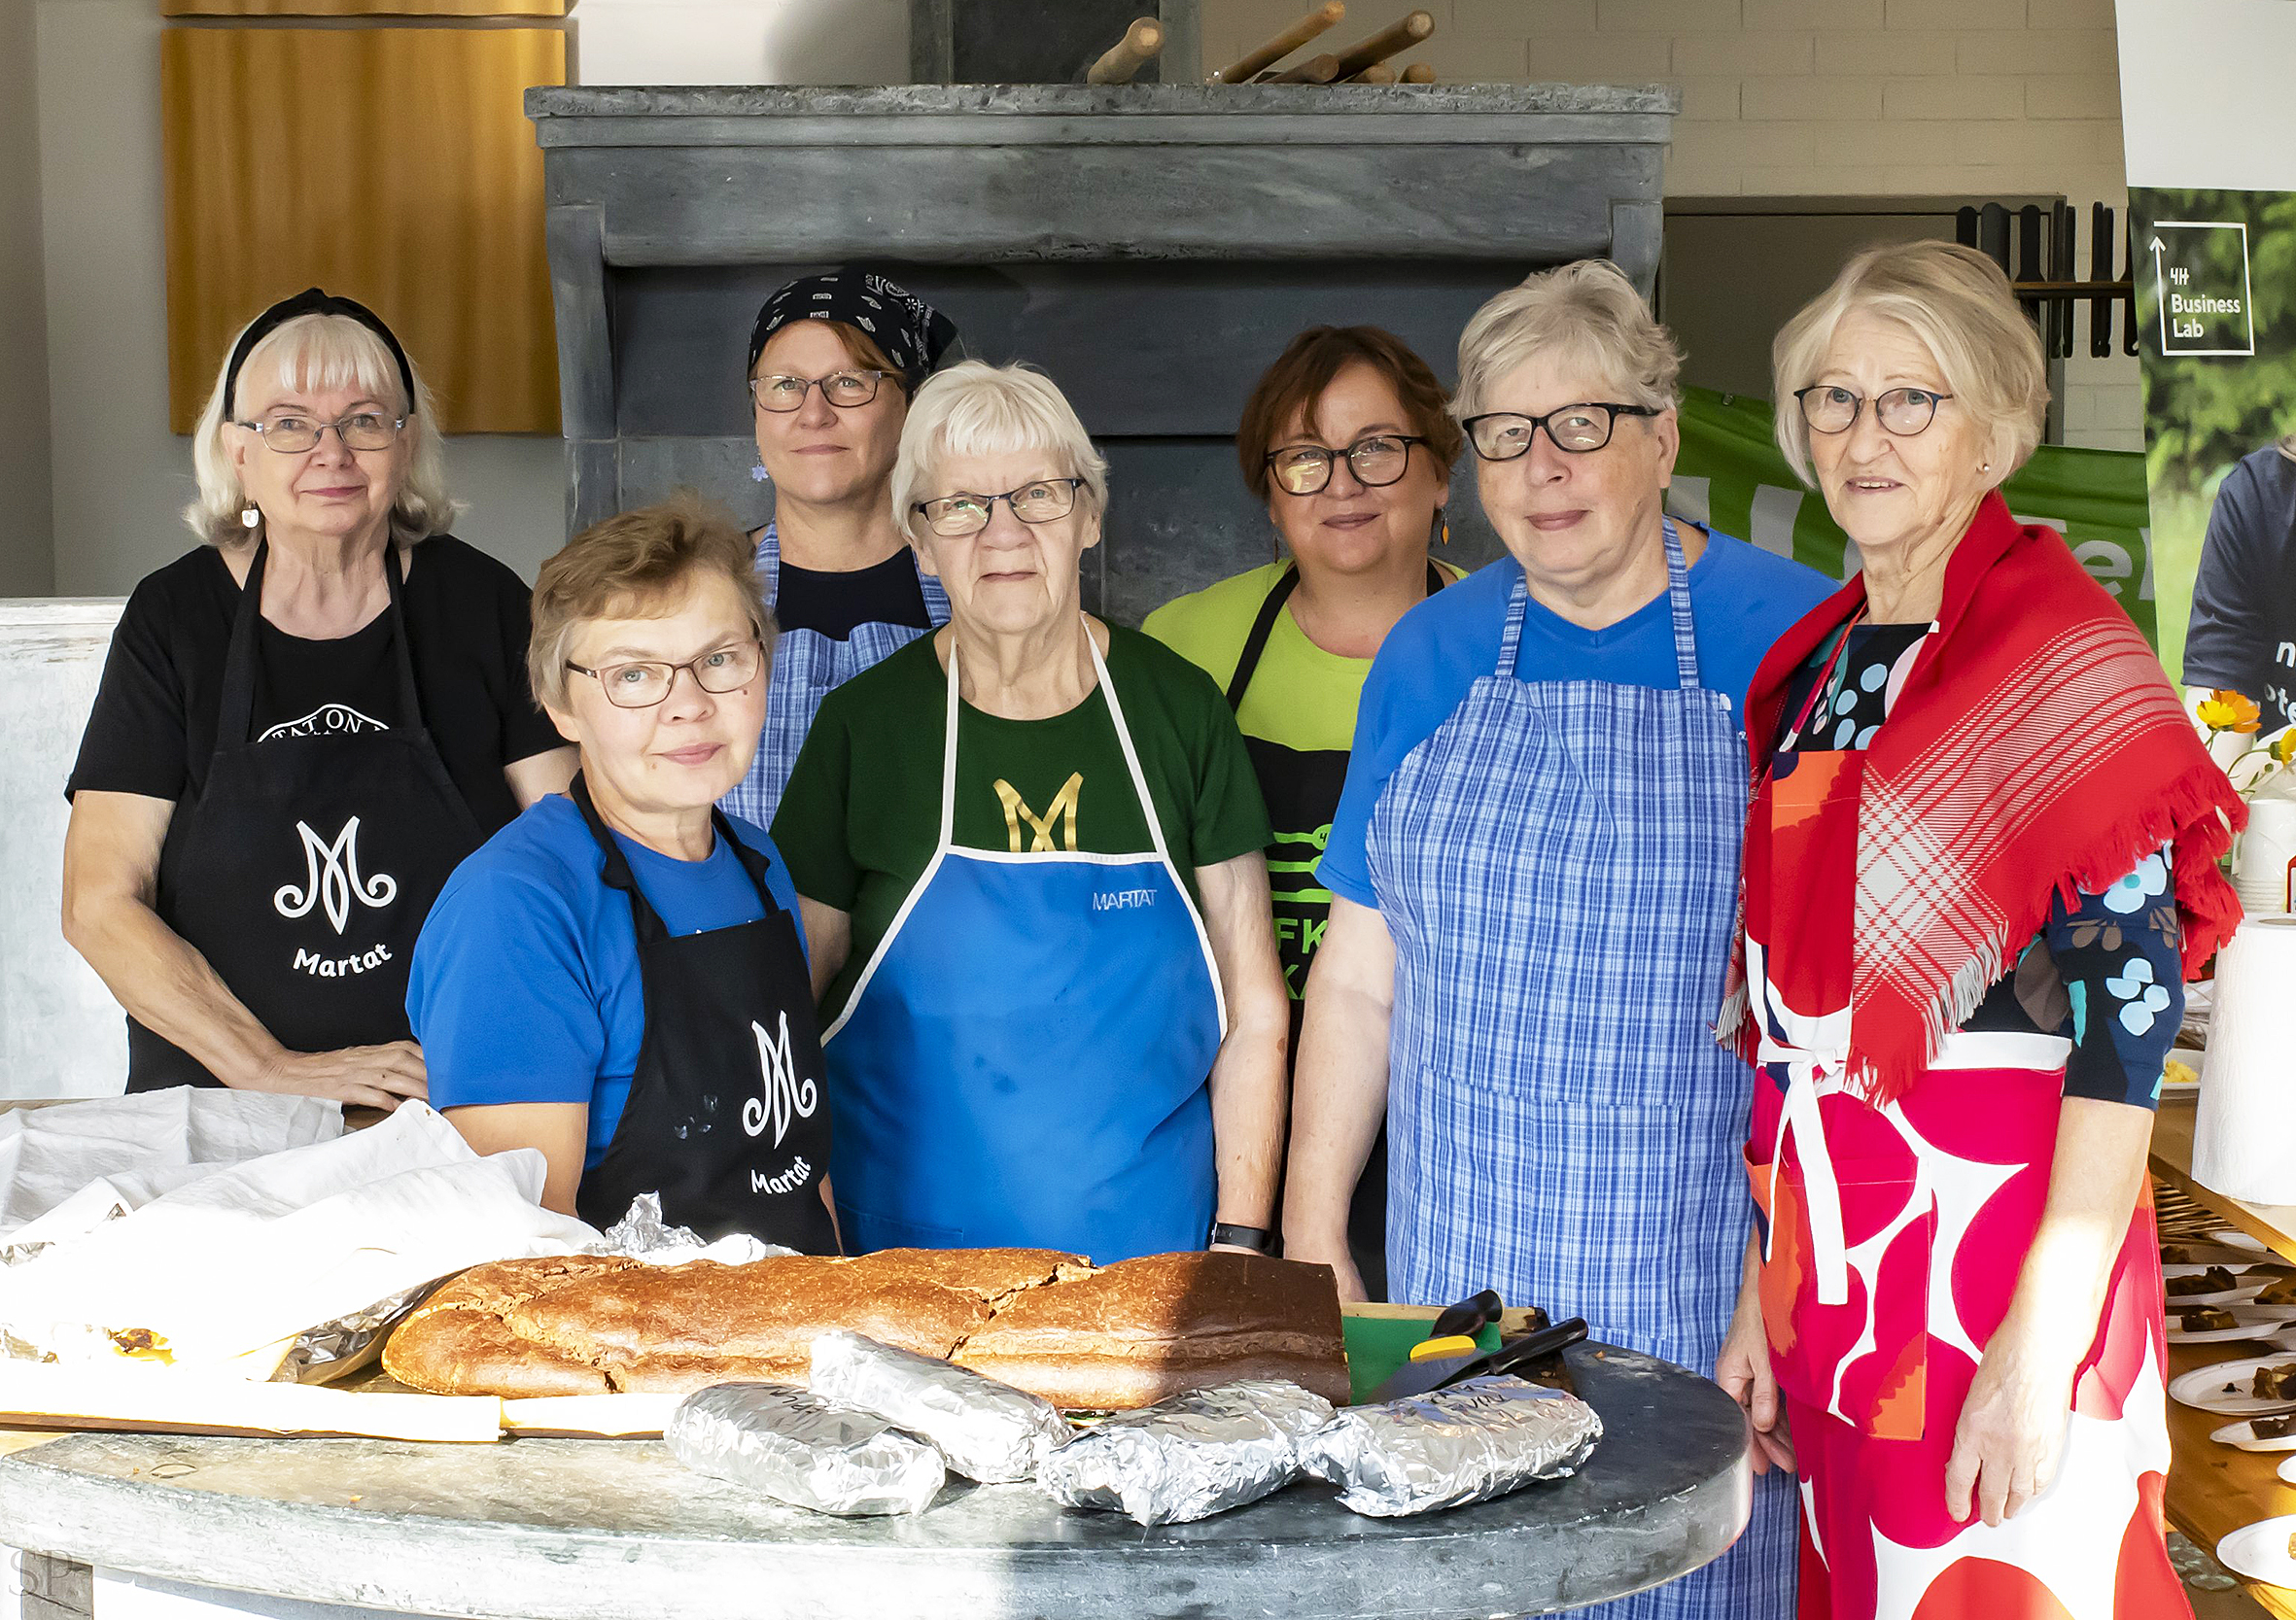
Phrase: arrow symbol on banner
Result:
[2160,290]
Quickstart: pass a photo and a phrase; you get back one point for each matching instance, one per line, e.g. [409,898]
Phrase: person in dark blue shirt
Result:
[2242,637]
[619,978]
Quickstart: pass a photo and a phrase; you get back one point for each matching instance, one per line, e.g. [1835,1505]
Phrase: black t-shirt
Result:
[153,729]
[2243,631]
[831,604]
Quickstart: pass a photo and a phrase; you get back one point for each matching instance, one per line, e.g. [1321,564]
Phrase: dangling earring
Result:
[758,474]
[249,517]
[1442,528]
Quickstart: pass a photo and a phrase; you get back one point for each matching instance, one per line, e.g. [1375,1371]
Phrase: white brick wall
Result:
[1822,97]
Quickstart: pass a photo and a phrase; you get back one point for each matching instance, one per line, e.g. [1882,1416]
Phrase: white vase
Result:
[2260,864]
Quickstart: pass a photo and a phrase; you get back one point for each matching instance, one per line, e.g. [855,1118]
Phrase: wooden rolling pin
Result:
[1129,54]
[1398,35]
[1378,73]
[1252,64]
[1315,70]
[1419,73]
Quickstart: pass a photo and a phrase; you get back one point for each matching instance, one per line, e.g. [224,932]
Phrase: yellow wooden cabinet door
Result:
[393,166]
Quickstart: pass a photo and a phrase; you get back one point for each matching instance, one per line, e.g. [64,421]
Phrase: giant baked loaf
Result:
[1083,1338]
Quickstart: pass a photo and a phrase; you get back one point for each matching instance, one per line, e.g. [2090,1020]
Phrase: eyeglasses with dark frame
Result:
[643,682]
[1377,460]
[292,436]
[845,390]
[1904,411]
[1578,429]
[1039,501]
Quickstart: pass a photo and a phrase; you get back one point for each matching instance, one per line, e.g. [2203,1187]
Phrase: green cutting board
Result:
[1378,1345]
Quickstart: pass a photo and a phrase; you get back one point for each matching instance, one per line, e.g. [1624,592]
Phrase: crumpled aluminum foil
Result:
[319,1352]
[1476,1440]
[1192,1456]
[644,1234]
[988,1430]
[795,1447]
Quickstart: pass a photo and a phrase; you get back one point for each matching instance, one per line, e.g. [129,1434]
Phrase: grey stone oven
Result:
[1151,246]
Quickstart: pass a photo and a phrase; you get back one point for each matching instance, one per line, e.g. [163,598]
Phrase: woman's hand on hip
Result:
[378,1076]
[2011,1434]
[1743,1370]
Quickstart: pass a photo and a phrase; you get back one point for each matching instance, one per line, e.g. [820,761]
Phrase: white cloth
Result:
[50,1155]
[250,1255]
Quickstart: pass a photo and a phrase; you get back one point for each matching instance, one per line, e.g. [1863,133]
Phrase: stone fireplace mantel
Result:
[1152,244]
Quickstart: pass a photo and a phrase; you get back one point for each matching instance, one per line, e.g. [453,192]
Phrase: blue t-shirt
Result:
[524,985]
[1742,599]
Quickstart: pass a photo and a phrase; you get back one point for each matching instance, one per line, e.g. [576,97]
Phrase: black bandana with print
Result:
[913,335]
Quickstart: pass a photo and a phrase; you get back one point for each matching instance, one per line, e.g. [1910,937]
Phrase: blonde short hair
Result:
[977,409]
[1959,303]
[631,566]
[320,352]
[1585,313]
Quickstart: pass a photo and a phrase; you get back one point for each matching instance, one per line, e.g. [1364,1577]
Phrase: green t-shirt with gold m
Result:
[857,823]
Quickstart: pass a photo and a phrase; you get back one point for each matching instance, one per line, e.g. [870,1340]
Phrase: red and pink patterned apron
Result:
[1894,1235]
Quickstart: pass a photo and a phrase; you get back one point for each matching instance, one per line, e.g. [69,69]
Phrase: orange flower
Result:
[2222,711]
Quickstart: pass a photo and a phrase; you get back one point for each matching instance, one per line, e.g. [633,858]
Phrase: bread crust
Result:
[1113,1338]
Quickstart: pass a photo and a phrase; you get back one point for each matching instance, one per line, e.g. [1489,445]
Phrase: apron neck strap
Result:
[1123,740]
[1255,642]
[1518,606]
[1677,601]
[236,714]
[616,873]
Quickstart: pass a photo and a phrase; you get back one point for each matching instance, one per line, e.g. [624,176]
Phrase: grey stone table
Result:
[608,1529]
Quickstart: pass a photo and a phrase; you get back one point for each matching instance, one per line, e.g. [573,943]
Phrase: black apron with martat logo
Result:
[1302,791]
[727,1117]
[303,866]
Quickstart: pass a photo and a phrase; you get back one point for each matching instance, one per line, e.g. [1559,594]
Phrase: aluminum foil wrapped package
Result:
[794,1446]
[1192,1456]
[1476,1440]
[988,1430]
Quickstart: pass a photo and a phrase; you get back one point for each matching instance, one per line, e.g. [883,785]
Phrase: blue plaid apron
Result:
[807,666]
[1558,866]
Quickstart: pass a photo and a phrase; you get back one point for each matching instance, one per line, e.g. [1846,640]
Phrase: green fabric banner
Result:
[1732,476]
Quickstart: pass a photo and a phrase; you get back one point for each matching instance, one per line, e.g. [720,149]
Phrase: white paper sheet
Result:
[50,1155]
[252,1253]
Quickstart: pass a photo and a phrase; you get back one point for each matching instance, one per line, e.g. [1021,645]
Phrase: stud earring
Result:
[249,517]
[1985,467]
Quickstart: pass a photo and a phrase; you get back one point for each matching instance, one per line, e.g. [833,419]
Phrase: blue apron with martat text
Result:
[1024,1061]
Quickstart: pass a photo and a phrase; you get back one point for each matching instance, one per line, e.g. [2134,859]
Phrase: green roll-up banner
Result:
[1731,475]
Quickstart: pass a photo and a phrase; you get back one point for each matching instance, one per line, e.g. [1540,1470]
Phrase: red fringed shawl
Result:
[2036,745]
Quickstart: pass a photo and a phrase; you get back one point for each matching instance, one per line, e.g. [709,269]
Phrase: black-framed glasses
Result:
[1905,411]
[1377,460]
[643,682]
[842,389]
[1504,435]
[292,436]
[963,513]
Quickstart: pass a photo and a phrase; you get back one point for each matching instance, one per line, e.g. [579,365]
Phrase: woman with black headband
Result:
[834,360]
[303,724]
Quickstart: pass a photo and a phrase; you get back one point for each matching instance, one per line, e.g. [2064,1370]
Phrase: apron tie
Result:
[1821,1191]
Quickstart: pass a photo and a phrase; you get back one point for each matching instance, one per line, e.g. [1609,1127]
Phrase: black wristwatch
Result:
[1259,1239]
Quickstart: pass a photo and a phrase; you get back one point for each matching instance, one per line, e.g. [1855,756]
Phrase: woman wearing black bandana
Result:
[834,360]
[304,723]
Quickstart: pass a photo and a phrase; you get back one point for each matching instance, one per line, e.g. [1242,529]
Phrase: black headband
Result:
[309,301]
[913,335]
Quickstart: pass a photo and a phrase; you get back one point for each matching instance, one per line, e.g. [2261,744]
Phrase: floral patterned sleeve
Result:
[2117,955]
